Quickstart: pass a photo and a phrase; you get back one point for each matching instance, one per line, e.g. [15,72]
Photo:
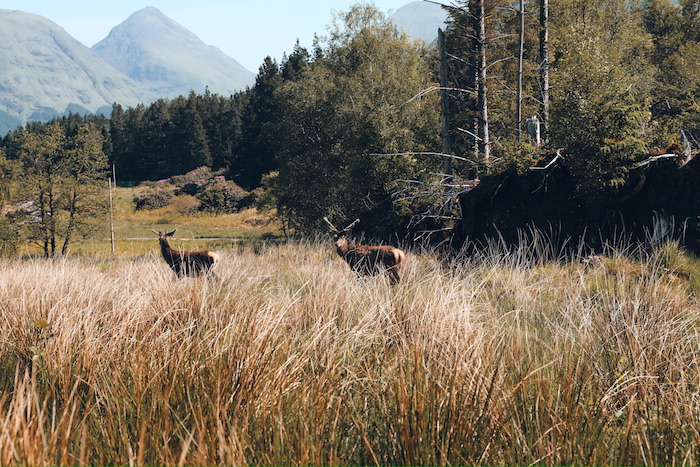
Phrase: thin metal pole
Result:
[111,216]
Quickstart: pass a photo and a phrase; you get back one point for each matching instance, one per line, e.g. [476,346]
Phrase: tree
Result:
[484,141]
[675,97]
[356,100]
[256,153]
[59,189]
[8,237]
[544,66]
[601,116]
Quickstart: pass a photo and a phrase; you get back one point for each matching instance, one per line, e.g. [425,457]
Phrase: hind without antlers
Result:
[185,263]
[366,259]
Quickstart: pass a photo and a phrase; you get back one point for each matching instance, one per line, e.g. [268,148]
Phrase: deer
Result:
[185,263]
[365,259]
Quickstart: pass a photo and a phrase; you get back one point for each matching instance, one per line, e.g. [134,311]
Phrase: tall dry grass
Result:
[285,358]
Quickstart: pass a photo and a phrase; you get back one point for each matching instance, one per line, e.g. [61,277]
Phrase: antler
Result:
[332,227]
[349,227]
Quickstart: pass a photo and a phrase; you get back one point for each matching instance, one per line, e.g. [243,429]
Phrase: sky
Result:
[247,30]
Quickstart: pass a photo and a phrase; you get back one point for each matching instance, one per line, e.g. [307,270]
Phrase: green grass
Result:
[285,358]
[133,229]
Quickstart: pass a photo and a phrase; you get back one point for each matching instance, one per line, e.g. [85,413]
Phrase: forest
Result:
[365,125]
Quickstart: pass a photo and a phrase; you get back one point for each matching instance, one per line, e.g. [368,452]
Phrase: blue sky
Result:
[247,30]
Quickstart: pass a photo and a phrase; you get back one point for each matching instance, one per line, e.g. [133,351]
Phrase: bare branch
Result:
[436,88]
[423,154]
[558,157]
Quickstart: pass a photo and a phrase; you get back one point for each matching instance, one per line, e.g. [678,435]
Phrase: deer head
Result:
[341,236]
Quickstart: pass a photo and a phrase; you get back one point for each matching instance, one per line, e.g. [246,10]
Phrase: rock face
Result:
[167,59]
[44,71]
[505,208]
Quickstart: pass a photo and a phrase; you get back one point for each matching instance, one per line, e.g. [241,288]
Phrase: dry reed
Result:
[284,357]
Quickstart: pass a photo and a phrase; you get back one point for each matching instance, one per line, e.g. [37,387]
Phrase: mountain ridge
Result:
[45,72]
[168,59]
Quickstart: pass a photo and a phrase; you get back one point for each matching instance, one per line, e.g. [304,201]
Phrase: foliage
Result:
[674,103]
[222,196]
[59,190]
[192,180]
[154,197]
[625,79]
[515,156]
[171,137]
[8,238]
[346,118]
[200,189]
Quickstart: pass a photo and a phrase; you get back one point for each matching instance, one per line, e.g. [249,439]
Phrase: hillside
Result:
[169,60]
[45,72]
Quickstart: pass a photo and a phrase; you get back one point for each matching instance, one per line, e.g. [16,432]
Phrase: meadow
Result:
[283,357]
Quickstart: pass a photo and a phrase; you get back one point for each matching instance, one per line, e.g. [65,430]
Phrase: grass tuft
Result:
[284,357]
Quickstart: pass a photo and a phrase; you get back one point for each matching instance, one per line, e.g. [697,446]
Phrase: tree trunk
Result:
[446,146]
[520,71]
[483,116]
[544,66]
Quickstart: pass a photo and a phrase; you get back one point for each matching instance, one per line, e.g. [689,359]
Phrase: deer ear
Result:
[170,234]
[157,233]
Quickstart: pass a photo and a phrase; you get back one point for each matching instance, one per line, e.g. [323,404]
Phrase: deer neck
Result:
[344,246]
[165,249]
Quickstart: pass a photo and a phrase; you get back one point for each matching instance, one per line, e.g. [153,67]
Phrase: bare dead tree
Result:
[544,65]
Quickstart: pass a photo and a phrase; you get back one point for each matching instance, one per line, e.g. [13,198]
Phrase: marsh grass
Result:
[284,357]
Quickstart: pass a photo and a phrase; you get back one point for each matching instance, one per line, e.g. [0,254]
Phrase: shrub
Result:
[197,177]
[185,204]
[154,198]
[8,238]
[222,196]
[198,189]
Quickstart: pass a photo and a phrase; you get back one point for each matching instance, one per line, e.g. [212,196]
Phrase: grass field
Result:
[284,357]
[133,229]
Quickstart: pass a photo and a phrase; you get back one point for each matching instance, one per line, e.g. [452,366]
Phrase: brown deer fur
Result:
[187,263]
[366,259]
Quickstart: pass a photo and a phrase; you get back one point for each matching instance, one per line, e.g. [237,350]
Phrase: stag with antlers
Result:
[185,263]
[366,259]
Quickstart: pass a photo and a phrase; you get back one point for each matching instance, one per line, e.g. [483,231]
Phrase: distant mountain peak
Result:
[420,20]
[46,72]
[169,59]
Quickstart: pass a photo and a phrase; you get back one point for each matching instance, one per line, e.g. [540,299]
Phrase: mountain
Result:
[420,20]
[45,72]
[168,59]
